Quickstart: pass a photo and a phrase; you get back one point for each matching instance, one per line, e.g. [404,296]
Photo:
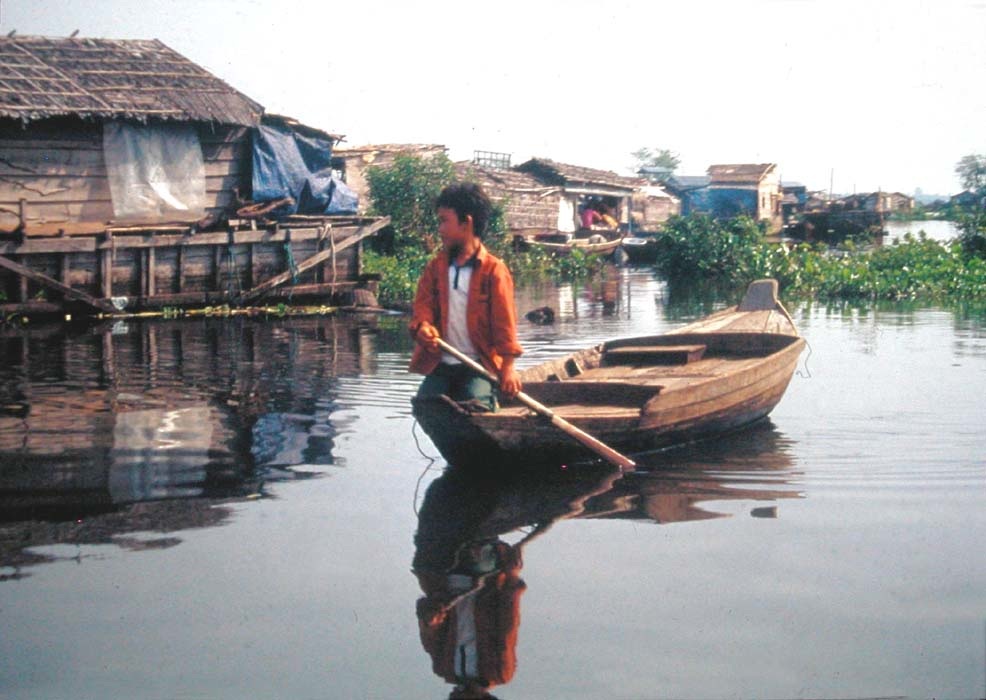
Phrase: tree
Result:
[972,223]
[972,172]
[406,192]
[657,158]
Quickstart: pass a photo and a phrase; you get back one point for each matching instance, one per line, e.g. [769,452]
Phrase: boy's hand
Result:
[510,384]
[427,336]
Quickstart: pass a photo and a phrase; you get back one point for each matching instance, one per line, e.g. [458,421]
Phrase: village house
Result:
[877,202]
[734,185]
[529,206]
[730,190]
[583,186]
[794,200]
[691,190]
[131,178]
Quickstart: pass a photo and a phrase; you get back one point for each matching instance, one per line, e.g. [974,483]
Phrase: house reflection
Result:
[96,422]
[473,527]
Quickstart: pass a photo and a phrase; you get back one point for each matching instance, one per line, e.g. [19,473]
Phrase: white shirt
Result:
[457,331]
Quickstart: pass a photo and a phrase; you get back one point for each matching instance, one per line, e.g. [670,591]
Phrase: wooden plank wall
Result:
[56,166]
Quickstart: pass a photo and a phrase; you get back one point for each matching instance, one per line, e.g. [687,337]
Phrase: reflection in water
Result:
[472,528]
[124,416]
[469,616]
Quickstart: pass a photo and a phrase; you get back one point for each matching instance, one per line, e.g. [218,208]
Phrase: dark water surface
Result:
[228,509]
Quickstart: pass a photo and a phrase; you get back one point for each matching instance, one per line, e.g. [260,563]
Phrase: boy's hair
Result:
[467,199]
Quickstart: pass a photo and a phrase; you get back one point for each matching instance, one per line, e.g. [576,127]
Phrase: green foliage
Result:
[971,170]
[398,275]
[696,248]
[703,247]
[658,157]
[406,192]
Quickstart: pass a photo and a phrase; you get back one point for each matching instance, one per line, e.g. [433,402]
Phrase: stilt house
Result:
[127,175]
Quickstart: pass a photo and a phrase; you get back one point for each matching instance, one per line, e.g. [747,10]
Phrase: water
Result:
[227,509]
[936,230]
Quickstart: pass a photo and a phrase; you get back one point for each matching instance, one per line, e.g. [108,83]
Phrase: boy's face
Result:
[455,234]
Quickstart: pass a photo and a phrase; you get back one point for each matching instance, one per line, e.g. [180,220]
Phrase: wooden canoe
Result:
[589,242]
[712,376]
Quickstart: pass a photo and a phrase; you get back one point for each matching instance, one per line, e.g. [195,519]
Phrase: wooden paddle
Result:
[600,448]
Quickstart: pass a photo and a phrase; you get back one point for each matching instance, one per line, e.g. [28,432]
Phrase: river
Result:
[227,509]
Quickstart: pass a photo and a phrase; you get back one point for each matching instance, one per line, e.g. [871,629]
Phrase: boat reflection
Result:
[473,527]
[98,427]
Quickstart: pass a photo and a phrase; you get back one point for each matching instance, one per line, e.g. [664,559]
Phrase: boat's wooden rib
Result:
[711,376]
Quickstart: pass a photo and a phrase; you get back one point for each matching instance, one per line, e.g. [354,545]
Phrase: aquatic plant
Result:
[697,248]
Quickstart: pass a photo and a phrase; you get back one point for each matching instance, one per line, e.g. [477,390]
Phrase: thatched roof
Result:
[44,77]
[564,174]
[739,173]
[499,179]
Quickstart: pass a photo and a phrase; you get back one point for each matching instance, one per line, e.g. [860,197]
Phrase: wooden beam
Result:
[312,261]
[66,291]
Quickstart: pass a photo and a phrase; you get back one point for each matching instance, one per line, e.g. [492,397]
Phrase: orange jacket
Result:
[490,315]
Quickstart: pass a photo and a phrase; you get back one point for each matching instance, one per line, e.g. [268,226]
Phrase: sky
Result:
[857,96]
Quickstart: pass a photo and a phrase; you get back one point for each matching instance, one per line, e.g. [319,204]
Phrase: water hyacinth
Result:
[916,267]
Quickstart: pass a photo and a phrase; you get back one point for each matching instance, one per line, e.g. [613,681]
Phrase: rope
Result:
[428,467]
[292,265]
[807,373]
[232,274]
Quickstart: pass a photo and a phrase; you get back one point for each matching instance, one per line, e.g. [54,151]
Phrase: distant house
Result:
[651,206]
[877,202]
[691,190]
[794,200]
[730,190]
[352,163]
[529,206]
[748,188]
[581,186]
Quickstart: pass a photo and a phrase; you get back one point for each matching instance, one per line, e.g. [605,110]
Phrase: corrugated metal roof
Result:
[688,182]
[741,172]
[44,77]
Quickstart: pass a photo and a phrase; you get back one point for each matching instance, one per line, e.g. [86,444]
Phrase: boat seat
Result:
[590,393]
[654,355]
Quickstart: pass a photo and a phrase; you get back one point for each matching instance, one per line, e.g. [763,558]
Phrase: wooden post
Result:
[151,259]
[180,263]
[106,268]
[217,268]
[251,273]
[22,289]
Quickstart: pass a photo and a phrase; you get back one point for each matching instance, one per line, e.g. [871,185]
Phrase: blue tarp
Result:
[289,164]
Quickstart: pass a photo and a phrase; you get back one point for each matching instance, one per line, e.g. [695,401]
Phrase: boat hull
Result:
[636,394]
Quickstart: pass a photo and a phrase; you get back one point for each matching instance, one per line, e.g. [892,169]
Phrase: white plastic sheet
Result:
[155,172]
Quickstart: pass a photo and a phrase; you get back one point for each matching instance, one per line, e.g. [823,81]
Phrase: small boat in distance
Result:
[589,241]
[634,394]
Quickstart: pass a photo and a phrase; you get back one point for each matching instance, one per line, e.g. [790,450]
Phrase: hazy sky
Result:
[882,94]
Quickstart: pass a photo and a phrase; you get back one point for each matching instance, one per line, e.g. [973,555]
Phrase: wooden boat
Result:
[586,240]
[641,248]
[712,376]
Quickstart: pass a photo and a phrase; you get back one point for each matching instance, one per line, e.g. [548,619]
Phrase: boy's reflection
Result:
[470,613]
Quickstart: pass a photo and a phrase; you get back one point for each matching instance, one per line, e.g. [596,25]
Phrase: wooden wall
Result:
[56,166]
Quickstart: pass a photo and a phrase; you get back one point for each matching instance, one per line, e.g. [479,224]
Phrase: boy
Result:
[466,297]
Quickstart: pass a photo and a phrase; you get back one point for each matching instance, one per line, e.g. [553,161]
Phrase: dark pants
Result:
[459,383]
